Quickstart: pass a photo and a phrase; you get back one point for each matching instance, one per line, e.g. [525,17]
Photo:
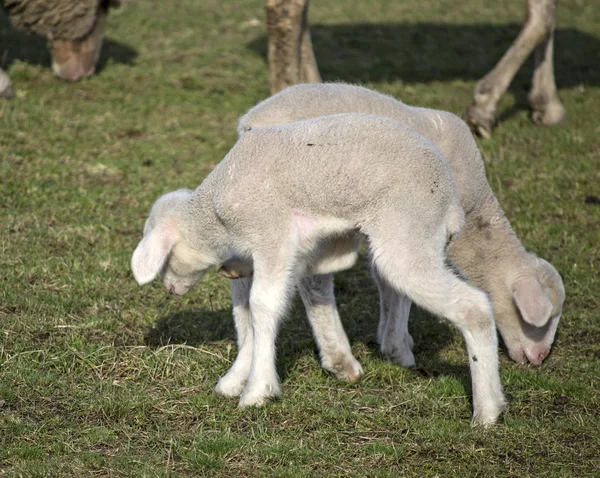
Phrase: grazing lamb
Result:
[526,292]
[290,199]
[74,30]
[292,61]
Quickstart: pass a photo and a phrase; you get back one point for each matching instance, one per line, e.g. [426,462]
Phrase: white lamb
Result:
[292,200]
[526,292]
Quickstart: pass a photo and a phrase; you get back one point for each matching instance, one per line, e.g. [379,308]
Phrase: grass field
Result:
[99,377]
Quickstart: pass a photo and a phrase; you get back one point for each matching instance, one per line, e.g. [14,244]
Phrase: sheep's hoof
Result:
[346,369]
[5,88]
[259,396]
[480,124]
[550,114]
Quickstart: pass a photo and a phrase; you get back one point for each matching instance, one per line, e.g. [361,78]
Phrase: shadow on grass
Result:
[428,52]
[295,340]
[15,44]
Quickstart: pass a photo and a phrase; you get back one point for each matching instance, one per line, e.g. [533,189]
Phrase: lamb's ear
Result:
[532,301]
[151,253]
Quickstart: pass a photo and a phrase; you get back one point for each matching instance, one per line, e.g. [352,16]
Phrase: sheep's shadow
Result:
[32,49]
[357,299]
[429,52]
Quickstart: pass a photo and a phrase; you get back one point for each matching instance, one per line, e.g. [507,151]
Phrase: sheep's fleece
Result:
[284,198]
[527,292]
[56,19]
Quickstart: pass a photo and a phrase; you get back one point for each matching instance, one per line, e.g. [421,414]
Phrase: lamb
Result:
[526,292]
[292,61]
[74,30]
[291,200]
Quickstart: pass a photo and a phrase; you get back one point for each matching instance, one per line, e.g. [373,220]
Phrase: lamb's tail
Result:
[455,220]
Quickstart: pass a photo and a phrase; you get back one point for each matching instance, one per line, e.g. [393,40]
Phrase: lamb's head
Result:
[527,315]
[168,248]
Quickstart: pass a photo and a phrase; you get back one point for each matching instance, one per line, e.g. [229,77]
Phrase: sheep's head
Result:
[73,60]
[165,249]
[527,315]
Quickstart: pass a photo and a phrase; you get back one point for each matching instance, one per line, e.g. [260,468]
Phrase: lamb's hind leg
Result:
[425,279]
[537,29]
[395,342]
[336,355]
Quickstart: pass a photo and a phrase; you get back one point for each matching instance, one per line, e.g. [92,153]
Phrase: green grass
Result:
[99,377]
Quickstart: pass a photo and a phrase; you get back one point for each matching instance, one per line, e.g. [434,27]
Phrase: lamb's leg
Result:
[426,280]
[395,342]
[547,108]
[5,88]
[234,381]
[489,90]
[336,354]
[288,43]
[272,287]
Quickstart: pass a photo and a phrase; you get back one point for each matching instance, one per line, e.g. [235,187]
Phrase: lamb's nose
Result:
[171,288]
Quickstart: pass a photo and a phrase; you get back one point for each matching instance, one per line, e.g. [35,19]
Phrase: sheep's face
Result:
[73,60]
[528,317]
[164,249]
[184,269]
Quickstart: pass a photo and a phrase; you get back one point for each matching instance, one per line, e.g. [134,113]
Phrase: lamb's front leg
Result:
[234,381]
[395,342]
[335,351]
[271,291]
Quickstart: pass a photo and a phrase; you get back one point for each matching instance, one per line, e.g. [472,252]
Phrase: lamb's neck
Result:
[207,226]
[487,249]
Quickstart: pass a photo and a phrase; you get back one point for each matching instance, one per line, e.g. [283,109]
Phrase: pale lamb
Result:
[526,292]
[283,197]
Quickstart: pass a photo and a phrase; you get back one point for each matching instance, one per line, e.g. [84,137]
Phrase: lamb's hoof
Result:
[480,124]
[348,370]
[550,114]
[259,396]
[488,416]
[405,359]
[400,354]
[231,387]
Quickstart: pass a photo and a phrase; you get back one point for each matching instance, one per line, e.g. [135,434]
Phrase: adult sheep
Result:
[292,61]
[74,30]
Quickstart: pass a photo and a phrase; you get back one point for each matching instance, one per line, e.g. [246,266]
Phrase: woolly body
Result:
[526,292]
[282,198]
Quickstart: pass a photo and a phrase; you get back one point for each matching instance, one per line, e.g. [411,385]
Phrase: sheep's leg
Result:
[234,381]
[547,108]
[291,59]
[309,70]
[5,88]
[272,287]
[489,90]
[336,354]
[426,280]
[395,342]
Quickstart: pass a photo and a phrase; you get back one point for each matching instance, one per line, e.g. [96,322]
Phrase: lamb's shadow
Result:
[32,49]
[428,52]
[357,299]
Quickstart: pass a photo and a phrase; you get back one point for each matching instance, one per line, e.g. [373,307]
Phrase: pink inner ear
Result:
[531,300]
